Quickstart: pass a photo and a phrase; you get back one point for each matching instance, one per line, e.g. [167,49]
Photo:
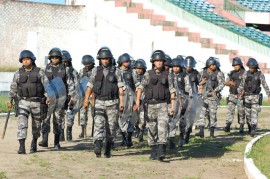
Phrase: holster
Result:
[260,99]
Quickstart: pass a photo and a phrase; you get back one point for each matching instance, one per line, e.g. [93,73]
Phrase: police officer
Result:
[56,69]
[126,123]
[250,88]
[178,76]
[140,69]
[233,80]
[107,85]
[89,63]
[192,81]
[67,61]
[27,91]
[168,63]
[158,88]
[211,84]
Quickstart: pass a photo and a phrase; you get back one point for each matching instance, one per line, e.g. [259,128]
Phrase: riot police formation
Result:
[56,69]
[158,87]
[211,84]
[233,80]
[27,91]
[250,88]
[127,117]
[89,63]
[107,85]
[171,95]
[67,61]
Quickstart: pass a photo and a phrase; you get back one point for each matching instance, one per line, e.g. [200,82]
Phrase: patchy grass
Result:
[3,175]
[260,154]
[41,162]
[9,68]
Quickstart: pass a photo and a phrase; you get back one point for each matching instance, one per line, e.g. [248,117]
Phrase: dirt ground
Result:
[221,157]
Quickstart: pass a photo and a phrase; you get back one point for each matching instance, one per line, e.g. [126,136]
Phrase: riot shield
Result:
[56,91]
[80,88]
[128,115]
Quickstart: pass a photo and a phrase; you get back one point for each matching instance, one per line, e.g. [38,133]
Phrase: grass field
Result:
[261,155]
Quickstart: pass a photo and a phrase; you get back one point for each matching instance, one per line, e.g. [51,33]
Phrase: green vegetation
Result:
[9,68]
[3,175]
[260,154]
[3,101]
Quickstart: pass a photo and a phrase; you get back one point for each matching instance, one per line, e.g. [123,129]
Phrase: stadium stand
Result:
[256,5]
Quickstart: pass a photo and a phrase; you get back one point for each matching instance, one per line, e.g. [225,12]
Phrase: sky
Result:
[48,1]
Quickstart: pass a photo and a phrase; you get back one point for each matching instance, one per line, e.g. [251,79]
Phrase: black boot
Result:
[188,135]
[241,130]
[212,130]
[44,142]
[82,134]
[56,142]
[253,130]
[171,143]
[227,128]
[69,133]
[22,146]
[98,148]
[107,152]
[181,140]
[249,128]
[124,139]
[129,140]
[201,132]
[153,155]
[62,135]
[33,148]
[161,151]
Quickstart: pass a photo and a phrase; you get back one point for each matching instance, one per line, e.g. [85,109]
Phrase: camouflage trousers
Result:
[85,114]
[232,103]
[70,116]
[252,108]
[58,117]
[209,104]
[106,116]
[126,121]
[157,122]
[37,114]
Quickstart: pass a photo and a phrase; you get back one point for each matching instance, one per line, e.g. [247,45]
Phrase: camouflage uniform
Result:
[106,111]
[28,105]
[210,102]
[233,100]
[157,114]
[251,86]
[85,113]
[70,113]
[59,114]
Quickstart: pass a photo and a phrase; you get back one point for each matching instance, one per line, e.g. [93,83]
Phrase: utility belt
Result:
[248,94]
[106,98]
[35,99]
[154,101]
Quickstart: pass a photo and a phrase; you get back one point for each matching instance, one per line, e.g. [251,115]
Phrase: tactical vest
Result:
[193,80]
[128,79]
[211,79]
[236,76]
[158,87]
[179,81]
[105,87]
[253,83]
[30,83]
